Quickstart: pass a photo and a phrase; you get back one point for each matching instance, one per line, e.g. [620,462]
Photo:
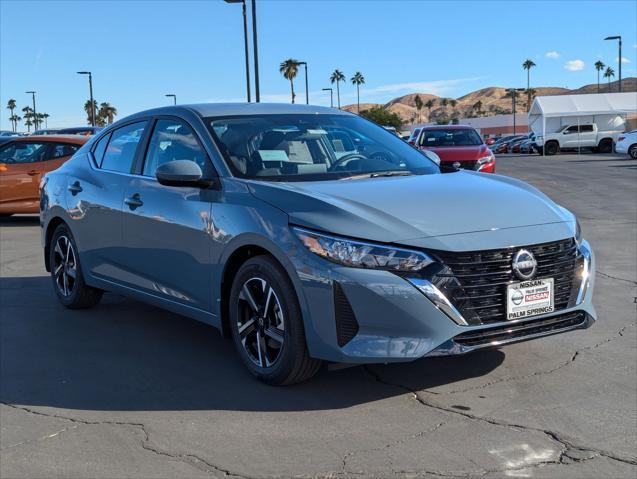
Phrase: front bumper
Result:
[371,316]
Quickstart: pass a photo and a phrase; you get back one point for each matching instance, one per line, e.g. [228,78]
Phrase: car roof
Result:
[78,139]
[232,109]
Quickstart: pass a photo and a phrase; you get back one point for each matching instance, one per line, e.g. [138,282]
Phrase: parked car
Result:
[80,130]
[489,141]
[572,137]
[414,136]
[8,134]
[457,145]
[23,162]
[506,145]
[627,144]
[241,216]
[49,131]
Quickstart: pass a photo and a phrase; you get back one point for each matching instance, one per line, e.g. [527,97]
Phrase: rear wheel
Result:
[552,148]
[66,272]
[632,151]
[267,326]
[605,146]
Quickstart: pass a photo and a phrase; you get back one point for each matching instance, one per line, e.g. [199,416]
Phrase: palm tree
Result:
[512,93]
[11,105]
[289,69]
[337,77]
[28,123]
[419,105]
[453,103]
[107,112]
[531,92]
[445,102]
[477,106]
[608,74]
[90,111]
[358,79]
[14,119]
[46,116]
[430,104]
[28,115]
[527,65]
[39,119]
[599,66]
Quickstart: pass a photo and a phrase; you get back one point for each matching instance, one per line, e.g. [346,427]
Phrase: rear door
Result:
[587,135]
[20,163]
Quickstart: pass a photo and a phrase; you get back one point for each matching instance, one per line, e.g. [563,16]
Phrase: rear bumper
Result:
[621,148]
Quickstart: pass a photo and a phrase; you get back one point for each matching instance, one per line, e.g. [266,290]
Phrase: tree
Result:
[530,93]
[337,77]
[382,116]
[477,107]
[15,119]
[11,105]
[608,74]
[453,103]
[45,117]
[599,66]
[527,65]
[27,114]
[107,112]
[445,102]
[430,104]
[358,79]
[90,111]
[289,69]
[419,105]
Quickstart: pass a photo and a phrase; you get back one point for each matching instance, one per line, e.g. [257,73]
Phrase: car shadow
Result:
[124,355]
[17,221]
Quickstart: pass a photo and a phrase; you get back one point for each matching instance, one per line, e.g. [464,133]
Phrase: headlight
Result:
[432,156]
[578,233]
[362,255]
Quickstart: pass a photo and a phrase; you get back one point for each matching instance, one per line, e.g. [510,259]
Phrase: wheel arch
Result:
[51,226]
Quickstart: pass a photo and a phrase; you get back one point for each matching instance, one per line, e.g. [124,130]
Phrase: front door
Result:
[166,230]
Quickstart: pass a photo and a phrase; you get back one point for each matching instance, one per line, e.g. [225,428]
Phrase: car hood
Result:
[398,209]
[460,153]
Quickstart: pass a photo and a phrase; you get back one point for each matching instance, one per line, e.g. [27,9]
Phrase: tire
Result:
[267,326]
[5,215]
[632,151]
[605,146]
[71,290]
[552,148]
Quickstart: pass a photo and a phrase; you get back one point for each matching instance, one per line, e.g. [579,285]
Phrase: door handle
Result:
[134,201]
[75,188]
[32,172]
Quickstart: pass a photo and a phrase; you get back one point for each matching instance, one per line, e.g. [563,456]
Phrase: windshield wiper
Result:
[378,174]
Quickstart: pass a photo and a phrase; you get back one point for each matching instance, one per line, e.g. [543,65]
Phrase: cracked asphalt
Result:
[127,390]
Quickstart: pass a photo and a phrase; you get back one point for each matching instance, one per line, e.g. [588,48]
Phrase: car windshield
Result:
[450,137]
[309,147]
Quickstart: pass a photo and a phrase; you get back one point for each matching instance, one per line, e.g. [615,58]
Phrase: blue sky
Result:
[140,50]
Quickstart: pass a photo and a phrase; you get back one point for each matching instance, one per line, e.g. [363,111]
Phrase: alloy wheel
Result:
[260,322]
[64,266]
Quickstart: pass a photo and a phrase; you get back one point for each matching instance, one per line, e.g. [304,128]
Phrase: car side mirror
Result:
[181,173]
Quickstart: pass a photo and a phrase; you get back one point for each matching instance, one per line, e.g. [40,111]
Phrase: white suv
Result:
[577,136]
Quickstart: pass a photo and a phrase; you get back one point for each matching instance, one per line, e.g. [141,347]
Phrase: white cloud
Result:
[624,59]
[552,55]
[574,65]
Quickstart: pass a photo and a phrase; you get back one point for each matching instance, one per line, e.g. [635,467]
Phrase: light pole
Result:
[245,43]
[331,90]
[90,88]
[255,51]
[35,113]
[514,92]
[619,59]
[307,93]
[174,97]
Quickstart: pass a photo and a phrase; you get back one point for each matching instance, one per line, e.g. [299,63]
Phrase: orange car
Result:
[23,162]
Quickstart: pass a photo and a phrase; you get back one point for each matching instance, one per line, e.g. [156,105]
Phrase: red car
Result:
[458,145]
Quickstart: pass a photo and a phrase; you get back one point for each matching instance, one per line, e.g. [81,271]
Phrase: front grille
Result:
[480,278]
[520,331]
[465,164]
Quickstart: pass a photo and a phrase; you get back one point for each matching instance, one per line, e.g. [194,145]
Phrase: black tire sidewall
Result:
[294,335]
[632,152]
[70,300]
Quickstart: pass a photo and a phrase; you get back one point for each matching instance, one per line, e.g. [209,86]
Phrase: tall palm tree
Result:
[358,79]
[429,105]
[337,77]
[90,110]
[107,112]
[608,74]
[14,119]
[11,105]
[527,65]
[289,69]
[599,66]
[419,105]
[28,123]
[46,116]
[28,115]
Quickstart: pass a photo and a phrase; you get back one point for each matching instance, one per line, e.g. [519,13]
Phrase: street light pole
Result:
[619,59]
[255,52]
[90,87]
[35,114]
[331,90]
[307,93]
[174,97]
[245,43]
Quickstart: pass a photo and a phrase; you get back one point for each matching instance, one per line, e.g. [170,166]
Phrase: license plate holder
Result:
[530,298]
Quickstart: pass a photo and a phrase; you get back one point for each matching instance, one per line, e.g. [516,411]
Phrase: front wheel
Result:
[267,326]
[66,272]
[632,152]
[552,148]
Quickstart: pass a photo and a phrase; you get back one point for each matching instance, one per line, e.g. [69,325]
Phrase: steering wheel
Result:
[343,159]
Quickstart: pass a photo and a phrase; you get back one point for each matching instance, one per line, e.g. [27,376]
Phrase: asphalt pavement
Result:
[128,390]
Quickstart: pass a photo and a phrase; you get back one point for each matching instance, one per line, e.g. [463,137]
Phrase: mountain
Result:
[483,102]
